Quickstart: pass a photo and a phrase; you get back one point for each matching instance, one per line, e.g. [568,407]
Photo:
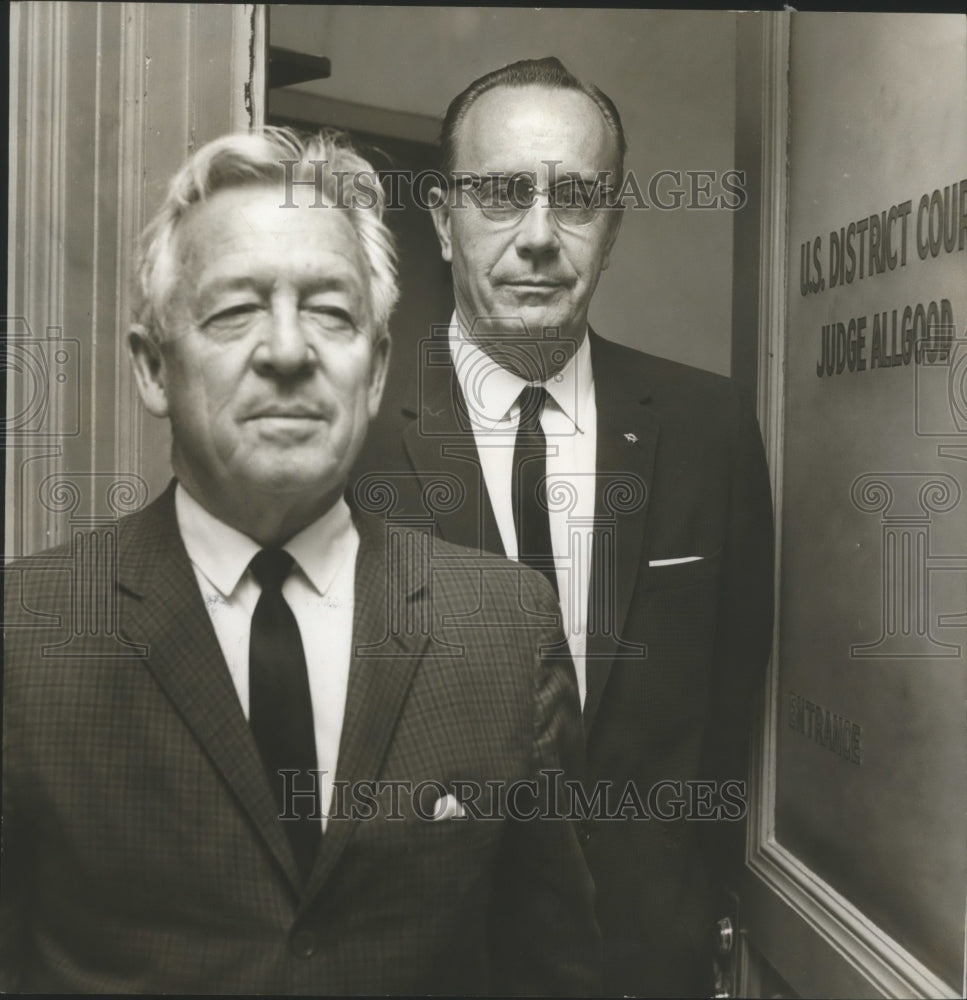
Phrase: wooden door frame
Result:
[814,937]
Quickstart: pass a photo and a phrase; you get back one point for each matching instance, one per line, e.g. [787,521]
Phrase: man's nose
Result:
[285,348]
[537,234]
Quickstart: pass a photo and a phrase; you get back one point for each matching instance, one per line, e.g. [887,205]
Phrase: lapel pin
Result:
[631,438]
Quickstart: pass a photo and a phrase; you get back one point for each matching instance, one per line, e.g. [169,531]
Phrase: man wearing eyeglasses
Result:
[637,485]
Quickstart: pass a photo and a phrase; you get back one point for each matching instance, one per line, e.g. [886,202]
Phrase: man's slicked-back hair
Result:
[269,156]
[547,72]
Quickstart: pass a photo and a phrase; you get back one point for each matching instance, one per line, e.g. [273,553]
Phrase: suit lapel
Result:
[384,660]
[441,448]
[439,440]
[627,440]
[187,663]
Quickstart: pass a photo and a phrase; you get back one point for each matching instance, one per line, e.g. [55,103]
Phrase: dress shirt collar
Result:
[223,553]
[489,399]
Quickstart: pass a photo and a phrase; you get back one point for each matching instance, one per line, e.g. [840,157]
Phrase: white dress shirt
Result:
[319,590]
[569,422]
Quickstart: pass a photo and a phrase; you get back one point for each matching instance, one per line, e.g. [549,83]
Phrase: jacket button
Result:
[304,944]
[584,833]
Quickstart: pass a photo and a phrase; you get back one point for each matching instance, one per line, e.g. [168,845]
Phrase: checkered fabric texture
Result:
[141,850]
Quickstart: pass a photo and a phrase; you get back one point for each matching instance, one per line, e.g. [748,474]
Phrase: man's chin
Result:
[535,349]
[291,476]
[291,486]
[536,321]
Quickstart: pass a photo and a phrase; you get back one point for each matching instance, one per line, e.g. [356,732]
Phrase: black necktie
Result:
[280,705]
[528,486]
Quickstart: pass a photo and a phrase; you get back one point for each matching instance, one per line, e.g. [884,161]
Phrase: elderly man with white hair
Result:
[326,757]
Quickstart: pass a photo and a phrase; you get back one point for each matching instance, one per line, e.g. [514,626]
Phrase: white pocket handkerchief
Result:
[675,562]
[448,807]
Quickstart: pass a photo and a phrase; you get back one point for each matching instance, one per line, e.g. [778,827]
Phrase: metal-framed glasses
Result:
[573,201]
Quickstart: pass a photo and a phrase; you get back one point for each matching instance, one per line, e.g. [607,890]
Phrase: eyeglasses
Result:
[573,202]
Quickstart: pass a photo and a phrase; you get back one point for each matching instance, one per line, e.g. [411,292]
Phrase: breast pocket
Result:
[662,574]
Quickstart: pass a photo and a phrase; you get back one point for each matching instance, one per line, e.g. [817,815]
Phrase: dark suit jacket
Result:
[677,652]
[141,847]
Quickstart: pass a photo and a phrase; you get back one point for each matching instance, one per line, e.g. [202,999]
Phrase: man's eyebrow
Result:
[226,282]
[333,279]
[337,279]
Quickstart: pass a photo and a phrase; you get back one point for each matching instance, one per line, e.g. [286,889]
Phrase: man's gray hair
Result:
[327,161]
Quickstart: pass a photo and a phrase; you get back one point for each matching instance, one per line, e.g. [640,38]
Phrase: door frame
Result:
[815,938]
[128,88]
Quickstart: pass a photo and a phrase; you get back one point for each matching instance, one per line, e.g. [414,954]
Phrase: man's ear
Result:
[149,370]
[377,380]
[615,219]
[442,217]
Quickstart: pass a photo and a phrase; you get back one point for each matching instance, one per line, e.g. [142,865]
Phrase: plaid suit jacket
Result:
[676,652]
[141,850]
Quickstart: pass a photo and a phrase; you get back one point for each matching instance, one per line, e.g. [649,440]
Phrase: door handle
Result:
[724,958]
